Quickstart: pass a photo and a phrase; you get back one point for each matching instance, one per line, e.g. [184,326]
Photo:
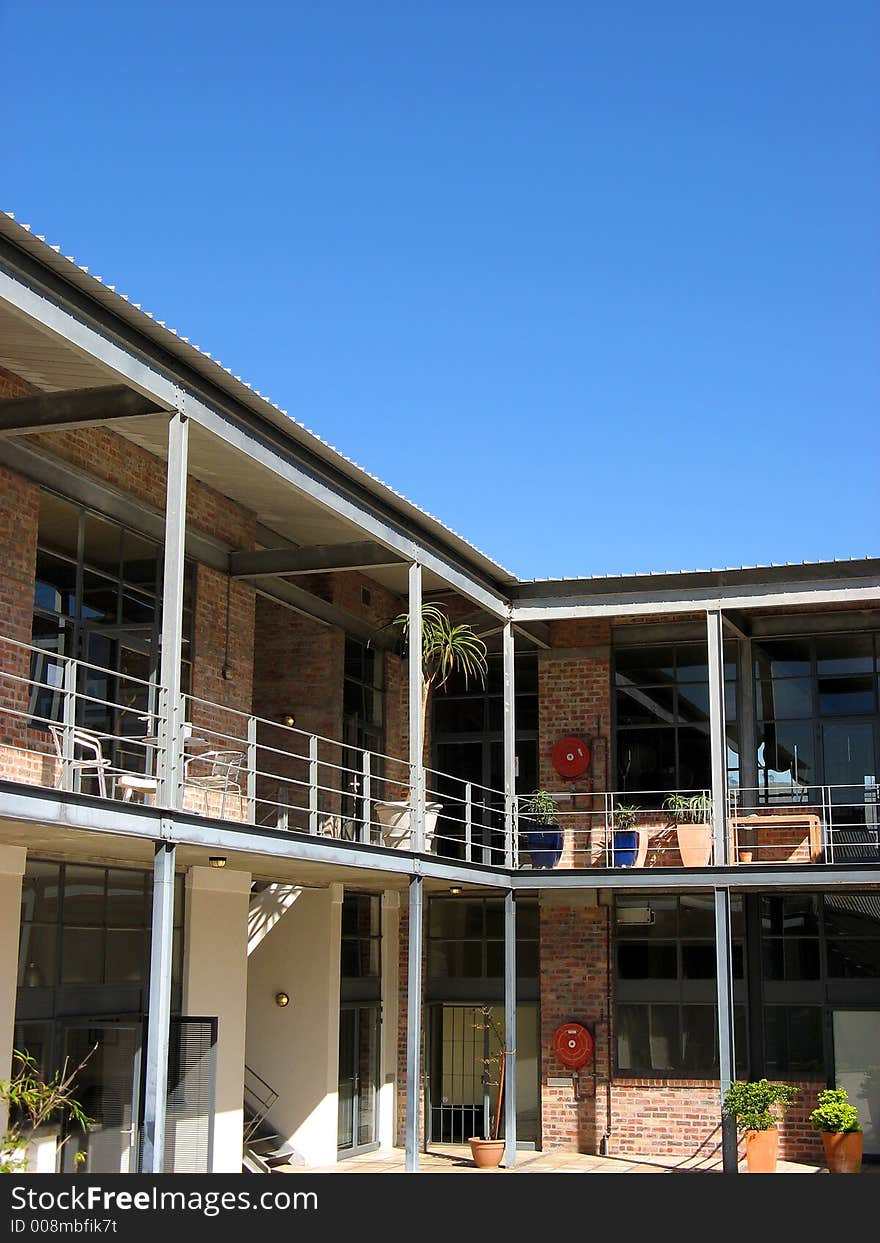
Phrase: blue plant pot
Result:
[544,844]
[626,847]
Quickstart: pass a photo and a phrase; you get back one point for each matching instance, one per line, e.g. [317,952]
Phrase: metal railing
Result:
[76,726]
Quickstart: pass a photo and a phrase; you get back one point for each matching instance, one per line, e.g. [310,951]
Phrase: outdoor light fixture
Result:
[282,1000]
[217,861]
[289,720]
[455,889]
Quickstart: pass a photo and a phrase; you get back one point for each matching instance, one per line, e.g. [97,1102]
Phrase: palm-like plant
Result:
[446,649]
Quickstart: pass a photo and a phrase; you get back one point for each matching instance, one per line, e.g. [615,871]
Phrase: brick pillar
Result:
[574,988]
[19,522]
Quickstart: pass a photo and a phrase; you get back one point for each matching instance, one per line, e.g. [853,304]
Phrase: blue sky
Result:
[594,283]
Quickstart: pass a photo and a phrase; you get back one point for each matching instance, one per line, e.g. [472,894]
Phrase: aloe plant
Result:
[539,808]
[446,649]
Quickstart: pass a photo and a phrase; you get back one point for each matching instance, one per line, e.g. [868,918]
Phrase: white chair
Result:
[223,773]
[94,761]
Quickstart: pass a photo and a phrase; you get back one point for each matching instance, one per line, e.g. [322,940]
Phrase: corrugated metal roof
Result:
[215,372]
[718,569]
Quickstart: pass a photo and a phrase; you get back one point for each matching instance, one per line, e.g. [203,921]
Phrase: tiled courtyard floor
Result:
[455,1159]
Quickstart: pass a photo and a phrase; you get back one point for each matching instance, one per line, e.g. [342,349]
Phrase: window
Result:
[466,939]
[361,937]
[665,1014]
[661,700]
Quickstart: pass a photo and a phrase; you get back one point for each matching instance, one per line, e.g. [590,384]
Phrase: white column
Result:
[416,739]
[170,759]
[12,865]
[215,983]
[390,1017]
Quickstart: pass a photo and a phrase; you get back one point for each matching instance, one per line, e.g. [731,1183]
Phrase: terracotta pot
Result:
[487,1153]
[694,844]
[843,1151]
[761,1149]
[745,856]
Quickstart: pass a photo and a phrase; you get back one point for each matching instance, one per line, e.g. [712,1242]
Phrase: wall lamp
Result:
[282,1000]
[288,719]
[217,861]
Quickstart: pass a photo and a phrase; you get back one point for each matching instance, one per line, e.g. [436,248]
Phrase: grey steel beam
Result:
[170,758]
[316,559]
[415,644]
[739,623]
[717,734]
[79,407]
[509,660]
[726,1046]
[307,604]
[739,879]
[241,429]
[510,1029]
[414,1024]
[159,1013]
[855,592]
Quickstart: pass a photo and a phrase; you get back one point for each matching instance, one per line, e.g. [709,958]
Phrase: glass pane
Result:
[39,891]
[126,955]
[697,915]
[693,702]
[846,696]
[644,666]
[36,955]
[854,960]
[458,716]
[360,915]
[692,663]
[495,918]
[792,914]
[126,900]
[694,759]
[791,959]
[346,1086]
[455,918]
[367,1063]
[647,1038]
[698,961]
[646,961]
[526,920]
[785,700]
[641,707]
[851,915]
[449,959]
[82,956]
[103,544]
[782,658]
[844,653]
[699,1041]
[55,584]
[360,958]
[646,759]
[793,1039]
[83,895]
[495,960]
[786,755]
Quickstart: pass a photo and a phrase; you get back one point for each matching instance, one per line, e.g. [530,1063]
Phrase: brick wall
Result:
[20,758]
[646,1116]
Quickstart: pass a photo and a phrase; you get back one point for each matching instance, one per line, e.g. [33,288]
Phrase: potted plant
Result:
[539,830]
[842,1137]
[487,1150]
[33,1104]
[752,1105]
[446,649]
[627,838]
[692,816]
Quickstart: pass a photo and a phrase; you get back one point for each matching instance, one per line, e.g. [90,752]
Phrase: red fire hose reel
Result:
[571,758]
[573,1045]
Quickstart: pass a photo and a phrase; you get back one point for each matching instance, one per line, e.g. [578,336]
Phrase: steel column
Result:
[416,683]
[509,1030]
[169,774]
[509,643]
[414,1024]
[748,734]
[159,1016]
[726,1050]
[717,734]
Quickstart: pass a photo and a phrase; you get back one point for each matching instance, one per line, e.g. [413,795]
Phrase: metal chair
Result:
[91,745]
[223,774]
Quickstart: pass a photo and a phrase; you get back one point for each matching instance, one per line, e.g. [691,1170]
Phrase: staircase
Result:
[263,1147]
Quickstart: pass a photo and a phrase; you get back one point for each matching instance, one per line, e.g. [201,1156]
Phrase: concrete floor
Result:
[455,1159]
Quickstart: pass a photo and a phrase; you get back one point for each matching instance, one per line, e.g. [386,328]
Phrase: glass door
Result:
[857,1068]
[108,1089]
[850,765]
[359,1028]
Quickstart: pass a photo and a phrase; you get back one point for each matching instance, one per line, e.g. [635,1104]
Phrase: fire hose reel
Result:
[571,757]
[573,1045]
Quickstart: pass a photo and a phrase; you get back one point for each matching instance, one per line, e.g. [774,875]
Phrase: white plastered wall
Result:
[295,1049]
[215,983]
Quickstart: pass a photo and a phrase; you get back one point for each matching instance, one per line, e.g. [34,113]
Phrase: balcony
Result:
[81,729]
